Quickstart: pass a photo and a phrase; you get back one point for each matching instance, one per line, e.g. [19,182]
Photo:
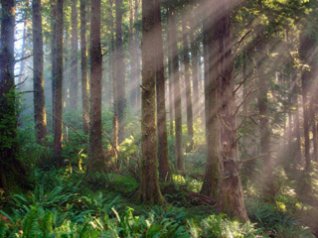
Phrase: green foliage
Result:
[216,226]
[275,221]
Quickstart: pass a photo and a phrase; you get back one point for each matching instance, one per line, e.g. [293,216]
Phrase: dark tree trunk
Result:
[264,125]
[149,187]
[212,176]
[57,77]
[174,60]
[12,173]
[119,77]
[74,60]
[38,81]
[307,45]
[219,72]
[231,198]
[187,78]
[84,71]
[164,172]
[96,157]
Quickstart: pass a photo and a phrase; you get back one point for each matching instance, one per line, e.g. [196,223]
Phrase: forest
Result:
[158,118]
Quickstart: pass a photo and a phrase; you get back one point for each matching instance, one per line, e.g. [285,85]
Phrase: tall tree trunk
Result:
[221,85]
[12,173]
[174,60]
[149,187]
[74,60]
[307,45]
[119,77]
[213,171]
[84,71]
[170,81]
[231,198]
[57,77]
[96,157]
[187,78]
[38,81]
[195,73]
[264,125]
[164,172]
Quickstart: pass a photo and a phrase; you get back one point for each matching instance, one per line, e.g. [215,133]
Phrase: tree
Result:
[74,60]
[96,156]
[84,73]
[38,81]
[12,172]
[119,76]
[187,78]
[149,187]
[57,77]
[222,178]
[174,71]
[164,172]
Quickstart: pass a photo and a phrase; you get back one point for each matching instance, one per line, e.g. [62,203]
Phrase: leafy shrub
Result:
[219,226]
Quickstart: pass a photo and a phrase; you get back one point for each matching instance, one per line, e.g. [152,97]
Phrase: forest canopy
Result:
[149,118]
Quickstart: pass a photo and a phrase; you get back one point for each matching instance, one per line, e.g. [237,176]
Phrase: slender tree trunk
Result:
[149,188]
[23,50]
[164,172]
[305,51]
[74,60]
[96,157]
[212,176]
[84,71]
[119,79]
[57,77]
[170,81]
[38,81]
[187,78]
[195,74]
[174,59]
[298,154]
[264,126]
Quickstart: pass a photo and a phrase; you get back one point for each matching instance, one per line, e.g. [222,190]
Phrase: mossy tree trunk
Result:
[149,187]
[12,173]
[222,179]
[164,172]
[38,81]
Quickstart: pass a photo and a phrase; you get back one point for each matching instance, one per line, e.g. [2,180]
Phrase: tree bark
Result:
[38,81]
[84,71]
[119,77]
[74,60]
[149,187]
[306,48]
[221,85]
[57,77]
[174,60]
[96,156]
[213,171]
[164,173]
[187,78]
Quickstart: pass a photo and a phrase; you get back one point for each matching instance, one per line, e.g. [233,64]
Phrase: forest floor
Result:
[66,203]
